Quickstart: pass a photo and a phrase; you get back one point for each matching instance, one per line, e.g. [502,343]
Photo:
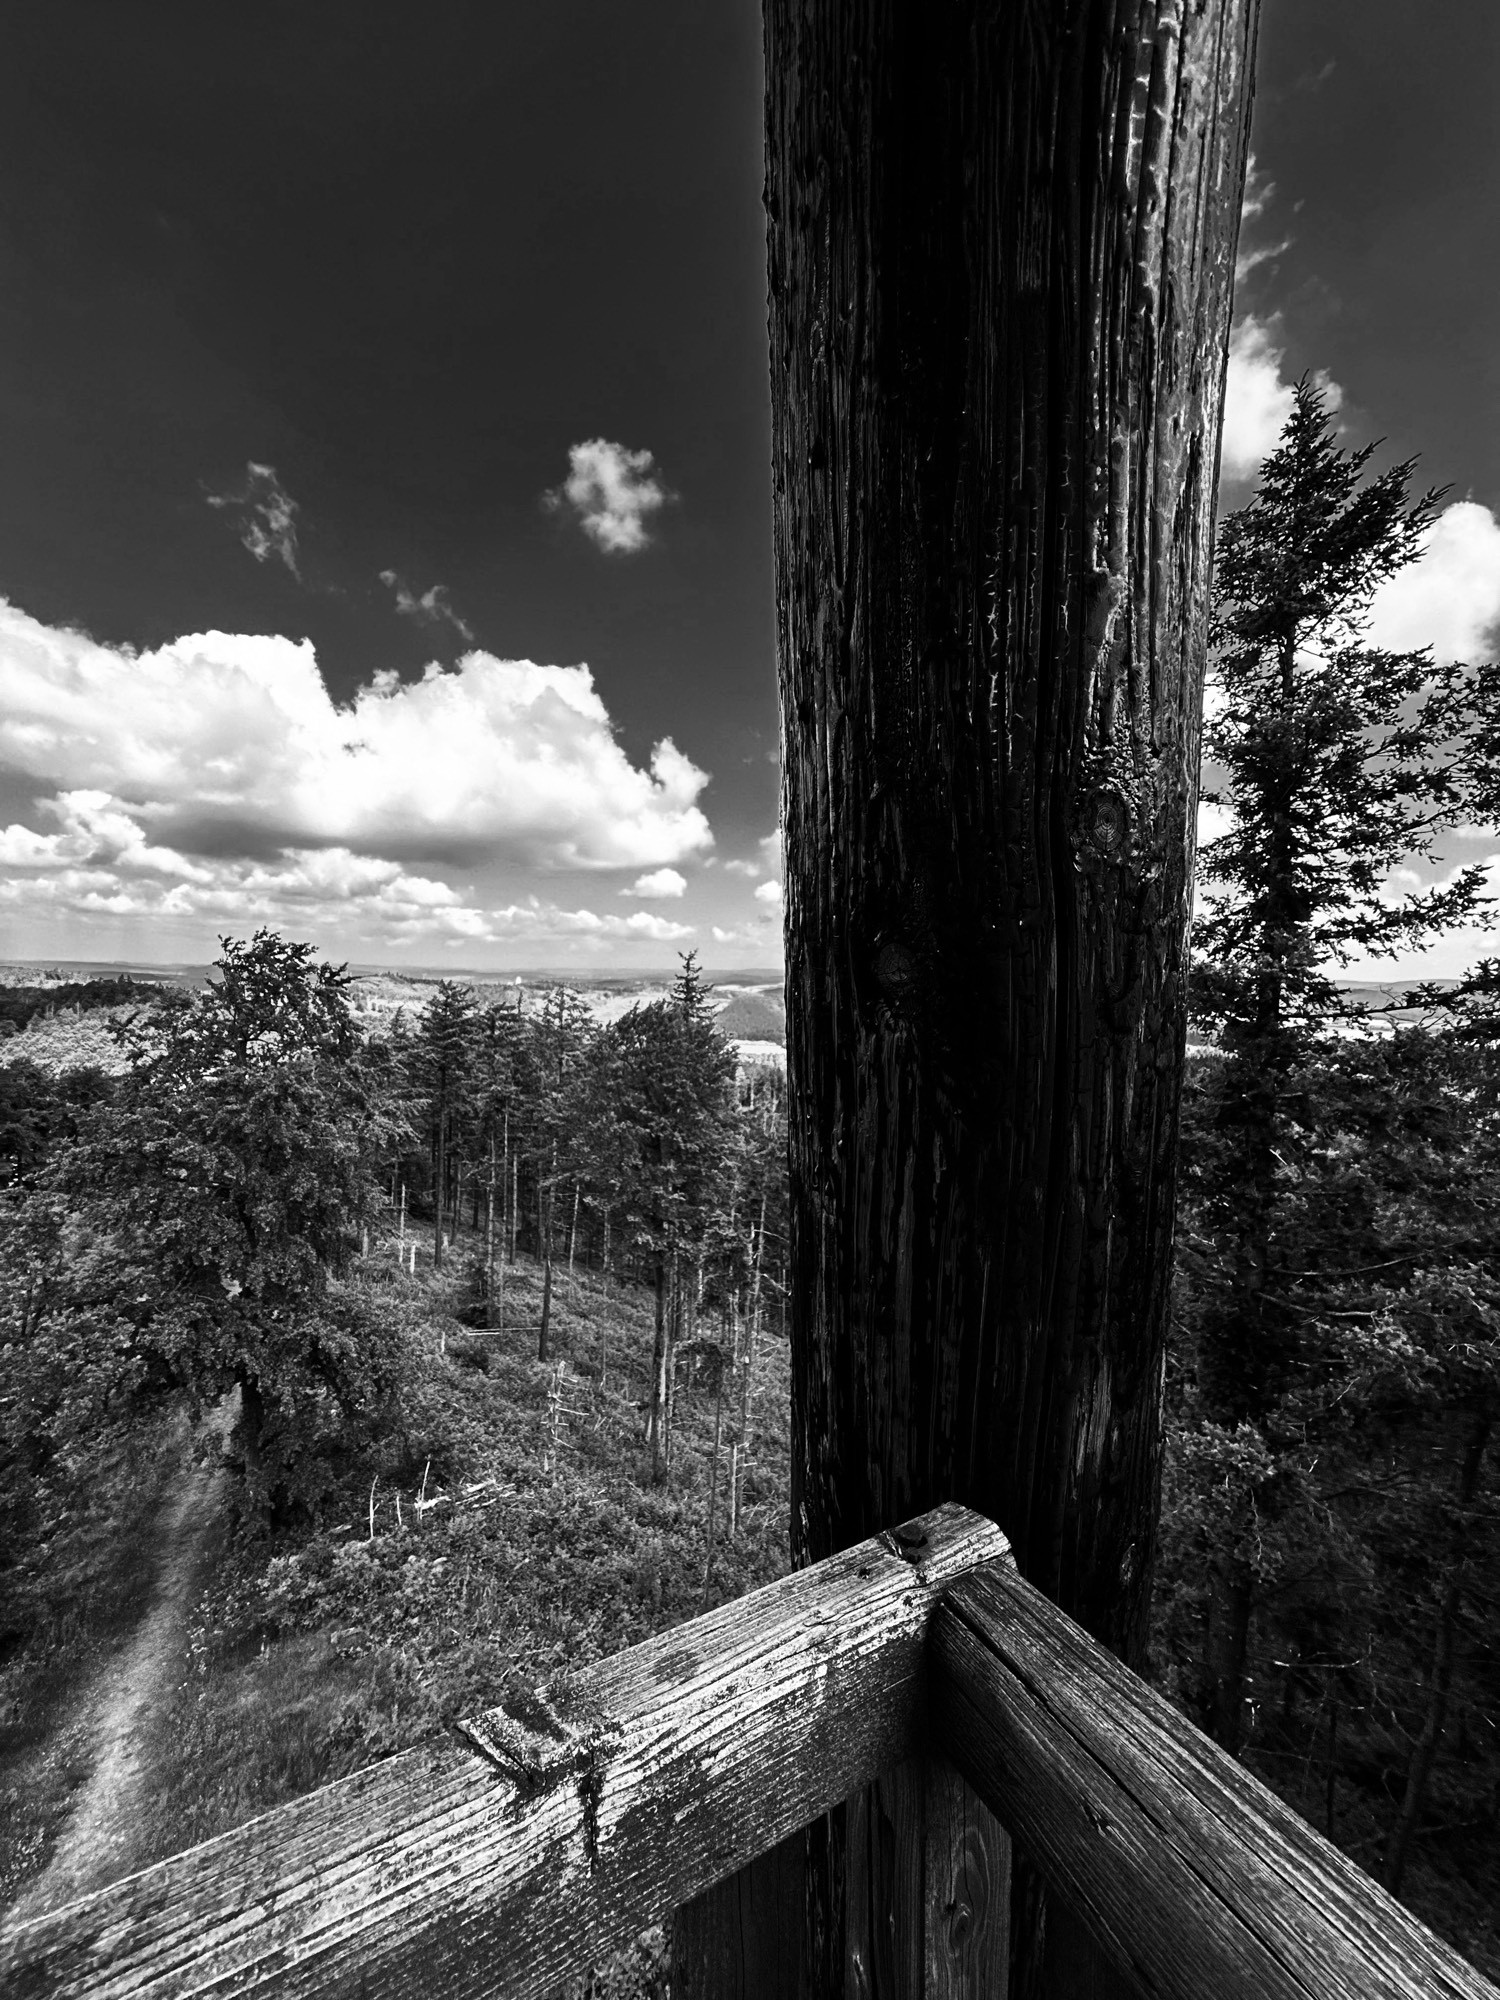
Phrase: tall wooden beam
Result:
[1001,249]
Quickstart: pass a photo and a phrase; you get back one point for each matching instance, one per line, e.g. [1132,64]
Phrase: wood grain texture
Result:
[1001,240]
[966,1919]
[742,1938]
[553,1834]
[927,1887]
[1000,247]
[1193,1878]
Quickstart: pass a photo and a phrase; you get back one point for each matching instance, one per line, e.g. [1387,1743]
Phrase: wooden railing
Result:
[917,1667]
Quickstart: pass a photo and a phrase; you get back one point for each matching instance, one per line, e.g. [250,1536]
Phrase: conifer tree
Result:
[1340,761]
[1337,762]
[445,1057]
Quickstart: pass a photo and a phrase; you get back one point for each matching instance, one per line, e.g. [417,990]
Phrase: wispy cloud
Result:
[433,607]
[611,493]
[263,514]
[1260,191]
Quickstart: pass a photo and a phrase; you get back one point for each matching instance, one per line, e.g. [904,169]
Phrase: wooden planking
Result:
[966,1891]
[742,1938]
[1192,1876]
[927,1888]
[502,1865]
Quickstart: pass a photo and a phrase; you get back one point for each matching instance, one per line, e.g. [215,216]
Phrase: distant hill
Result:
[754,1017]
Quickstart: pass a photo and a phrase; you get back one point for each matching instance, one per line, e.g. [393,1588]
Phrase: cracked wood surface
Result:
[501,1864]
[1192,1876]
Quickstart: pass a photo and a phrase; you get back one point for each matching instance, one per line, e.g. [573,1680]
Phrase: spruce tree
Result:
[1336,762]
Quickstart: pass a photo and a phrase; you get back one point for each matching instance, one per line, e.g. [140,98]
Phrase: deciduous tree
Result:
[228,1178]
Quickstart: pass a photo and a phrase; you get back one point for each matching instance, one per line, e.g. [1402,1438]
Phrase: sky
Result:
[385,525]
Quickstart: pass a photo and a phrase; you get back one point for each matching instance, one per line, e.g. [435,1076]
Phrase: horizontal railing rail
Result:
[543,1838]
[1190,1875]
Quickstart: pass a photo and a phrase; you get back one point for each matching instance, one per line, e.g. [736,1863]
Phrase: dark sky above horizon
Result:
[305,312]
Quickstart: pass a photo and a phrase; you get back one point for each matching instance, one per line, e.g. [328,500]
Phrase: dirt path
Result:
[98,1843]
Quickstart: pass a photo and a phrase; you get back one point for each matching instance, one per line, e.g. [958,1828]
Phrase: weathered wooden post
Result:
[1001,248]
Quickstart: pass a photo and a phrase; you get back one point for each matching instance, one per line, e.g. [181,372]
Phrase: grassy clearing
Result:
[527,1541]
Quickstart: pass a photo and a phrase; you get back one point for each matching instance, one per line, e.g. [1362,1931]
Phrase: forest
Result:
[452,1351]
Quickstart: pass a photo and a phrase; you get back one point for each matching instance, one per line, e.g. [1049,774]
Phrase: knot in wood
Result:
[896,968]
[1108,825]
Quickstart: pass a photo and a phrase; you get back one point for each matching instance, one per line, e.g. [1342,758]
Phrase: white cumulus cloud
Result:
[768,859]
[660,882]
[1258,397]
[1257,401]
[224,743]
[768,892]
[611,492]
[1449,598]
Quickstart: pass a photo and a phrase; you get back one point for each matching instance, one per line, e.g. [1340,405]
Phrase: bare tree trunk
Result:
[489,1239]
[1001,248]
[655,1421]
[1225,1644]
[437,1201]
[1424,1750]
[515,1199]
[541,1348]
[747,1368]
[544,1218]
[713,1475]
[573,1232]
[669,1367]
